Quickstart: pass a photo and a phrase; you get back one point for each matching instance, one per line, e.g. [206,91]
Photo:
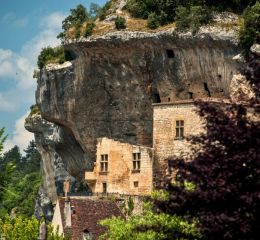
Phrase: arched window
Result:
[87,235]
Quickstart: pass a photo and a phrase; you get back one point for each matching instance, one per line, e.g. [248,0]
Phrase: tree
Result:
[77,17]
[2,138]
[250,30]
[24,228]
[149,226]
[20,181]
[225,174]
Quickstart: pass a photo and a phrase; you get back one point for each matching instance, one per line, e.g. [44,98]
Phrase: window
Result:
[104,163]
[170,53]
[136,184]
[136,161]
[179,129]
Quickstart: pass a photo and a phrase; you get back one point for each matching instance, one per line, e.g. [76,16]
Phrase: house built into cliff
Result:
[134,170]
[121,168]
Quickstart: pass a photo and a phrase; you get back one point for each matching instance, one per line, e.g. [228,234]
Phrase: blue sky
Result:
[26,26]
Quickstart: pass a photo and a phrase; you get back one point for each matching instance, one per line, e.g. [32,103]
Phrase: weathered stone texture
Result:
[165,143]
[109,89]
[120,177]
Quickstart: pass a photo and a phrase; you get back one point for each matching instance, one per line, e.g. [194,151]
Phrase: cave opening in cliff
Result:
[70,55]
[206,88]
[190,95]
[170,53]
[156,98]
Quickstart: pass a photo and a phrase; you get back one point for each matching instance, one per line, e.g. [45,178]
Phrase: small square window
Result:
[170,53]
[136,184]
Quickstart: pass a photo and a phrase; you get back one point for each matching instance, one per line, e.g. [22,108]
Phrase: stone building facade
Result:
[172,122]
[121,168]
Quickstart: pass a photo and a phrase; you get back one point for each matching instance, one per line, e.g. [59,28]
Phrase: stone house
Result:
[121,168]
[172,122]
[134,170]
[79,217]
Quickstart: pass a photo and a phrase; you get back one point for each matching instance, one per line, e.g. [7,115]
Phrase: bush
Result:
[152,22]
[120,23]
[51,55]
[76,18]
[89,29]
[250,30]
[192,17]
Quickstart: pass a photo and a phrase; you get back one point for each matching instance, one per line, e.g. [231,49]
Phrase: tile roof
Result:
[86,216]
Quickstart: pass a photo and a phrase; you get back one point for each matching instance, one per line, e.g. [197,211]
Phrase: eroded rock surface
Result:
[109,88]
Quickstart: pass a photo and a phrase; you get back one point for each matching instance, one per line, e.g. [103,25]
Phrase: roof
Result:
[192,101]
[86,216]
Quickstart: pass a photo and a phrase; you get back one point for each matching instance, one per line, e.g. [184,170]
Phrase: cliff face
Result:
[52,167]
[108,90]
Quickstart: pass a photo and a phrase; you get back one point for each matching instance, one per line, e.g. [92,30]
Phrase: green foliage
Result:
[161,195]
[51,55]
[77,17]
[250,30]
[34,110]
[130,206]
[2,138]
[188,13]
[20,181]
[94,11]
[89,29]
[149,226]
[192,17]
[24,228]
[19,228]
[53,234]
[104,11]
[153,21]
[120,23]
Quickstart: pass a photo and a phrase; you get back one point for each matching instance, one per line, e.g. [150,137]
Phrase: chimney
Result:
[67,212]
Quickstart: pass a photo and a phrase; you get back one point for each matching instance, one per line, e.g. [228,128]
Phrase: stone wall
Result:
[165,143]
[120,176]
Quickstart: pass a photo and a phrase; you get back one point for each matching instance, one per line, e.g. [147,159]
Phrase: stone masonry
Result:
[120,175]
[165,142]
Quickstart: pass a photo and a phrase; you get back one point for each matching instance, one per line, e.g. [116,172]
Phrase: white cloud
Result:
[11,19]
[20,136]
[18,67]
[6,106]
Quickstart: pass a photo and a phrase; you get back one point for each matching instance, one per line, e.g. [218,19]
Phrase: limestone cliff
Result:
[109,88]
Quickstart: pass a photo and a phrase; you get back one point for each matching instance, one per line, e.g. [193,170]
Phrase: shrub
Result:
[250,30]
[34,110]
[89,29]
[76,18]
[104,11]
[120,23]
[192,17]
[153,22]
[51,55]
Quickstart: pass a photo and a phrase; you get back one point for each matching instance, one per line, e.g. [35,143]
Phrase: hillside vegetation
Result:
[21,184]
[149,15]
